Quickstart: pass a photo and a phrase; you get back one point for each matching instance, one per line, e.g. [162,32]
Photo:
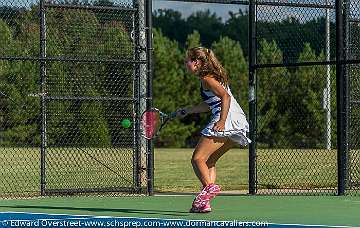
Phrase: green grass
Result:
[20,170]
[288,169]
[71,168]
[299,168]
[173,170]
[66,168]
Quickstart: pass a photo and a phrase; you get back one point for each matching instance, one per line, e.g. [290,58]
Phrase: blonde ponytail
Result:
[210,64]
[219,71]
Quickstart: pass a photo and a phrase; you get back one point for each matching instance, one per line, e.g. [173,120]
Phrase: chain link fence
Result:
[304,158]
[353,52]
[70,73]
[295,96]
[296,118]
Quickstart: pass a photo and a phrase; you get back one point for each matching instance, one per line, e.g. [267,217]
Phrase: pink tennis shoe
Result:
[204,209]
[201,203]
[213,190]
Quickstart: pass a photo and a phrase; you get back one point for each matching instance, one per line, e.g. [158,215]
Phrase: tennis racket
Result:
[153,120]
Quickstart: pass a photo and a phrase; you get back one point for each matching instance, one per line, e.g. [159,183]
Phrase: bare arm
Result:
[199,108]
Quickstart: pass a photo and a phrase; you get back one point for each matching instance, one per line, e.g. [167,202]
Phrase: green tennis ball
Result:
[125,123]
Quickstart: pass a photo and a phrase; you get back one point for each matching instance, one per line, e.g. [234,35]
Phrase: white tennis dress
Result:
[236,125]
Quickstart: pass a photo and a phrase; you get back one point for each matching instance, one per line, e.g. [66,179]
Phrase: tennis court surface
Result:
[265,211]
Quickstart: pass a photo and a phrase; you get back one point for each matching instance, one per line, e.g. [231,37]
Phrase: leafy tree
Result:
[354,111]
[236,28]
[85,119]
[193,40]
[9,14]
[116,79]
[103,3]
[305,112]
[290,33]
[165,20]
[230,54]
[191,94]
[272,87]
[6,38]
[168,84]
[19,80]
[209,26]
[285,95]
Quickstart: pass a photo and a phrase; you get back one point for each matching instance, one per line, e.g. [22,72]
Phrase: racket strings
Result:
[151,123]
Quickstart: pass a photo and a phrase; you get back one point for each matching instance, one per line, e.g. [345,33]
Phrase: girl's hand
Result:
[219,126]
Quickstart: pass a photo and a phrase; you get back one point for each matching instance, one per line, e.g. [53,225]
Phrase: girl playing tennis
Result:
[227,126]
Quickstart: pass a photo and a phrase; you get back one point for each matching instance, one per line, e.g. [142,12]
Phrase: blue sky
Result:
[187,8]
[222,10]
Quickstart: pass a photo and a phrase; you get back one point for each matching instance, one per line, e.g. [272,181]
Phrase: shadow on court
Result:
[117,210]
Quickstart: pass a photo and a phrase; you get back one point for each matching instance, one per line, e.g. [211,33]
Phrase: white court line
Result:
[92,216]
[306,225]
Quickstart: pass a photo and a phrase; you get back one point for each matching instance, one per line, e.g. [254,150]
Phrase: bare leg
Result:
[204,149]
[215,157]
[206,154]
[212,174]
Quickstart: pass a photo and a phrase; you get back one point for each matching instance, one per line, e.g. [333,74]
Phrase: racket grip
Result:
[173,114]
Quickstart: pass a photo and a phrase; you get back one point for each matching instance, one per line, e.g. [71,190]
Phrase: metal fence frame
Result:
[142,150]
[342,10]
[341,62]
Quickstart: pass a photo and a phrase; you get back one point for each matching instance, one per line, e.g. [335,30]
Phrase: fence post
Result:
[149,49]
[42,97]
[137,95]
[341,97]
[252,97]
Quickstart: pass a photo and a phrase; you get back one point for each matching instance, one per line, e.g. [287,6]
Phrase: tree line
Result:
[71,34]
[289,33]
[290,109]
[290,100]
[290,112]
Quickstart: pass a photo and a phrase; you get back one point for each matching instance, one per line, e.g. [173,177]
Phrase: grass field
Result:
[173,170]
[66,168]
[288,169]
[70,168]
[73,168]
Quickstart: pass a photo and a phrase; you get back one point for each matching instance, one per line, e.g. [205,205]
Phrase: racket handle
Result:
[173,114]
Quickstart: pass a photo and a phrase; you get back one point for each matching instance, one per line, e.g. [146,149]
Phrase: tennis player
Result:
[227,126]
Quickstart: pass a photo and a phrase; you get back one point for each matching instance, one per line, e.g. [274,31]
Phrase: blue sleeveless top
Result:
[211,99]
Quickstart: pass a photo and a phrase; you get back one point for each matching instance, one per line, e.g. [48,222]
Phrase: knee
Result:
[197,160]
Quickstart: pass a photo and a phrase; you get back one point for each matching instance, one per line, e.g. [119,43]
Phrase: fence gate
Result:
[294,123]
[305,130]
[71,71]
